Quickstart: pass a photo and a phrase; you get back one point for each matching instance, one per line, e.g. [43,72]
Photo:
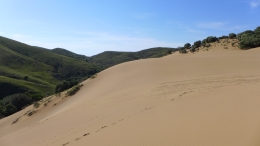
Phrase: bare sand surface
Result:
[210,98]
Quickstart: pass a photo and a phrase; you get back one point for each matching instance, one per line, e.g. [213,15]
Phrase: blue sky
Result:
[90,27]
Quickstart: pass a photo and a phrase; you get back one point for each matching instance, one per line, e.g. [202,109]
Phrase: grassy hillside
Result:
[63,67]
[24,67]
[110,58]
[19,74]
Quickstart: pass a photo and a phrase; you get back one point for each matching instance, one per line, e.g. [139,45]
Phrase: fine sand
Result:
[209,98]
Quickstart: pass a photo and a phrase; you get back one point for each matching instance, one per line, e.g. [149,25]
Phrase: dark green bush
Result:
[10,109]
[73,90]
[169,51]
[232,35]
[183,51]
[223,37]
[257,30]
[20,100]
[249,39]
[210,39]
[187,45]
[35,96]
[197,44]
[65,85]
[193,48]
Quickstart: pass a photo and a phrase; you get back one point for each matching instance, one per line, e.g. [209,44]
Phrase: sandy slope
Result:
[210,98]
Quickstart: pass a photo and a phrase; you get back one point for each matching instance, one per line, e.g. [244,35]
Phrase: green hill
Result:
[70,54]
[111,58]
[44,68]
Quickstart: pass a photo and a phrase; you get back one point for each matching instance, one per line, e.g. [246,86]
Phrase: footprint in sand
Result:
[86,134]
[113,123]
[65,144]
[101,128]
[77,139]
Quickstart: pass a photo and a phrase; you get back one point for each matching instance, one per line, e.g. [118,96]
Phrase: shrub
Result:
[187,45]
[169,51]
[232,35]
[193,48]
[93,76]
[36,104]
[249,39]
[10,109]
[223,37]
[209,39]
[35,96]
[20,100]
[30,113]
[257,30]
[65,85]
[183,51]
[196,44]
[73,90]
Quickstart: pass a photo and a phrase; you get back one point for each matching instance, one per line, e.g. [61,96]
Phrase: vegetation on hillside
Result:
[247,40]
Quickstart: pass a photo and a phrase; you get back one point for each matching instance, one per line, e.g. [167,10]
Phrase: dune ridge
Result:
[207,98]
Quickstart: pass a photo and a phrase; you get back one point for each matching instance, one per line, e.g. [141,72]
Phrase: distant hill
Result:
[44,68]
[70,54]
[111,58]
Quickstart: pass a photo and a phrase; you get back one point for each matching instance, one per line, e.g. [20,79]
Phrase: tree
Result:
[10,109]
[240,35]
[183,51]
[197,44]
[169,51]
[249,39]
[223,37]
[257,30]
[232,35]
[193,48]
[20,100]
[187,45]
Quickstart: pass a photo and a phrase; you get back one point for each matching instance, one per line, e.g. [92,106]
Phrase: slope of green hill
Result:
[24,67]
[110,58]
[67,53]
[63,67]
[18,71]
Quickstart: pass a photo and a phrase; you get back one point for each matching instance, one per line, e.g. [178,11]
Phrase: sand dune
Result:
[207,98]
